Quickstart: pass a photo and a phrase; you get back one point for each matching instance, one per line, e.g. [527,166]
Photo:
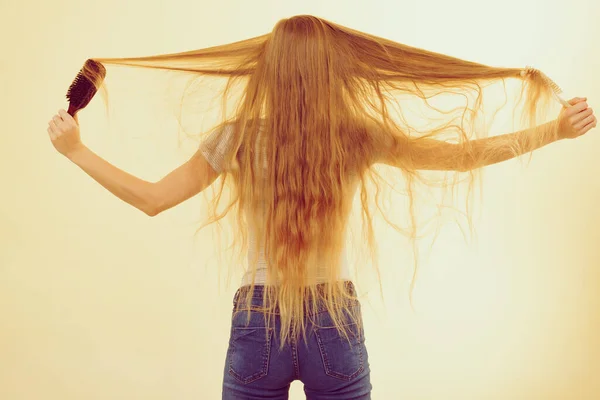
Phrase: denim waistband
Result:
[259,292]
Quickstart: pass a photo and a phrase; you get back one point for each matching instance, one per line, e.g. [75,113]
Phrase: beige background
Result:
[98,301]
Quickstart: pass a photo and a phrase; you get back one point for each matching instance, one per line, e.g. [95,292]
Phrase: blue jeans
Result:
[327,364]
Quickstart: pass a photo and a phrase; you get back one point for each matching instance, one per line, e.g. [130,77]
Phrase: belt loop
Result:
[236,297]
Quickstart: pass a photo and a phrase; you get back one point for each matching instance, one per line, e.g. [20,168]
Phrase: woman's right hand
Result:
[576,120]
[64,133]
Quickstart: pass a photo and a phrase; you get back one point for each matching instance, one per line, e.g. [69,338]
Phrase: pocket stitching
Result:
[266,356]
[327,365]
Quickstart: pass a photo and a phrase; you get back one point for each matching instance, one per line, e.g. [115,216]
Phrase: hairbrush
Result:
[556,90]
[85,86]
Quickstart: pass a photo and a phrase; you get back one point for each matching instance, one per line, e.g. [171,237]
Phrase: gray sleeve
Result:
[216,145]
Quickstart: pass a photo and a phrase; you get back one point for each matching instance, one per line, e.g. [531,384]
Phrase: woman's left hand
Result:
[64,133]
[577,119]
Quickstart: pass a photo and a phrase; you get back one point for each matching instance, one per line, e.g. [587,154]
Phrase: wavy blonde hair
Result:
[332,103]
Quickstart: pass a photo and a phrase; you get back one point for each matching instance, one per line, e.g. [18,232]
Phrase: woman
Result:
[315,114]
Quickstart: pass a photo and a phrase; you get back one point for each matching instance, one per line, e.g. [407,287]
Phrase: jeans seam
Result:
[294,349]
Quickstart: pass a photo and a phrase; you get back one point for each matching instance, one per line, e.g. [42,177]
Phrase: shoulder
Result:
[216,145]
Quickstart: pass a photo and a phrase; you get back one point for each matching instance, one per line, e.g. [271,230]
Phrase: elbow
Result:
[153,208]
[468,162]
[152,205]
[465,168]
[152,211]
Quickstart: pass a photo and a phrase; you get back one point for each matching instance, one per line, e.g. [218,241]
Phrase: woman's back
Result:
[216,148]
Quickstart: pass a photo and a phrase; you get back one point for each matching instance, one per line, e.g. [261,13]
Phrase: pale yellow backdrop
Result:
[98,301]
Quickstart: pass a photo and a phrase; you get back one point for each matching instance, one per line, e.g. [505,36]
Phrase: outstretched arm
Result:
[150,197]
[431,154]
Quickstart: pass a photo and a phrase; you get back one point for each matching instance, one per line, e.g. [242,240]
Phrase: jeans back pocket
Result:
[343,358]
[249,353]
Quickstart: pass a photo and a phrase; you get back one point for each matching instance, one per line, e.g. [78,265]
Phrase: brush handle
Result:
[562,101]
[72,110]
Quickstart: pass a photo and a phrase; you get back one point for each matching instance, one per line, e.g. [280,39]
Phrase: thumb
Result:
[576,100]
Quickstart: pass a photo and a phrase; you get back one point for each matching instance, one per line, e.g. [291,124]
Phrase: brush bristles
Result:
[534,71]
[85,85]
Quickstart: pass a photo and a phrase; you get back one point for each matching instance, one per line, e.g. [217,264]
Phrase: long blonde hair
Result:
[329,104]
